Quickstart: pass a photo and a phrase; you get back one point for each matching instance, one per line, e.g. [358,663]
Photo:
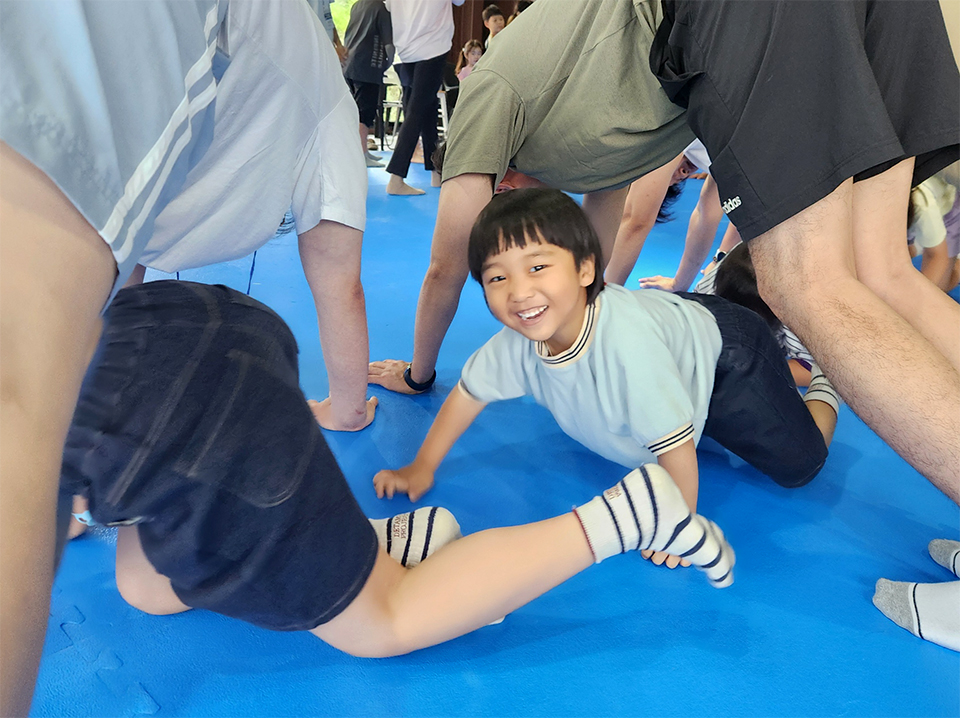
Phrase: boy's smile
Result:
[538,291]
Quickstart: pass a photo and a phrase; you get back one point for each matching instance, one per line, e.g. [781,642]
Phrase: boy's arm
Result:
[681,464]
[330,254]
[457,413]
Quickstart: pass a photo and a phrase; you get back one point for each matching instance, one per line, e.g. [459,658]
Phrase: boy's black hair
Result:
[511,219]
[664,214]
[490,11]
[737,282]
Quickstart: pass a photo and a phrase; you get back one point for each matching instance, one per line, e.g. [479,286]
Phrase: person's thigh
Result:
[756,411]
[192,426]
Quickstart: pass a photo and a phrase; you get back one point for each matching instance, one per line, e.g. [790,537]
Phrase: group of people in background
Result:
[191,432]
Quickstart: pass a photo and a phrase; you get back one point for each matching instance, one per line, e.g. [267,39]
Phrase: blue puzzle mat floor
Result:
[796,635]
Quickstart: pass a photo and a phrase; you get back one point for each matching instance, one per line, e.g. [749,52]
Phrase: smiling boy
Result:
[637,376]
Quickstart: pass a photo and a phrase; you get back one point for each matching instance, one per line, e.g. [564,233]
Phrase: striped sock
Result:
[821,389]
[647,511]
[411,537]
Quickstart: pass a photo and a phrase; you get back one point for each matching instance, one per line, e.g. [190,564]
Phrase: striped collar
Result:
[579,347]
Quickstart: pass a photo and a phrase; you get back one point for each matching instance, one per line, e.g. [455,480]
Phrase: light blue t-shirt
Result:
[635,384]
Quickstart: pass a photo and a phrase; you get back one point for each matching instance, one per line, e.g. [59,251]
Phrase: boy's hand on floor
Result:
[661,558]
[409,480]
[389,375]
[323,413]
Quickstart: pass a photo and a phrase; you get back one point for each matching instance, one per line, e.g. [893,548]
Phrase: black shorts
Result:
[191,424]
[756,411]
[367,97]
[792,98]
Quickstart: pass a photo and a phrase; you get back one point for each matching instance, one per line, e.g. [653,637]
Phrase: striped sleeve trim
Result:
[671,440]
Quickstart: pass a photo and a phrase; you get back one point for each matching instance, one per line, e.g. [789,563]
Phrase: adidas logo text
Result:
[731,204]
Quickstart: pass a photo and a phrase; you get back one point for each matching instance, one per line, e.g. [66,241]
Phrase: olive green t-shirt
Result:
[565,94]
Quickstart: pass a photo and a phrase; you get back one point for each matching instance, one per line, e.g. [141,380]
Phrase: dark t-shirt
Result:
[369,39]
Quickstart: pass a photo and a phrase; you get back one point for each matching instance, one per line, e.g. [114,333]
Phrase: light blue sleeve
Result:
[500,368]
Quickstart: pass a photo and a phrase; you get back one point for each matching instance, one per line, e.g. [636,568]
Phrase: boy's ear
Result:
[588,271]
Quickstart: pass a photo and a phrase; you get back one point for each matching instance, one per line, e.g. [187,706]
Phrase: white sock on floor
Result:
[947,554]
[821,389]
[411,537]
[647,511]
[930,611]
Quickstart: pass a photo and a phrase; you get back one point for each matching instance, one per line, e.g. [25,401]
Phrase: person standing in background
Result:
[369,40]
[423,35]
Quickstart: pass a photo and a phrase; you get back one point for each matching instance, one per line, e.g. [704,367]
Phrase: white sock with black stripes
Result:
[647,511]
[930,611]
[821,389]
[411,537]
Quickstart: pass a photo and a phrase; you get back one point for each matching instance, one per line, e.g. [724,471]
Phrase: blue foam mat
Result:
[796,635]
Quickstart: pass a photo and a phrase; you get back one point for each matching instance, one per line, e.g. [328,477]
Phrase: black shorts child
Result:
[756,411]
[191,424]
[792,98]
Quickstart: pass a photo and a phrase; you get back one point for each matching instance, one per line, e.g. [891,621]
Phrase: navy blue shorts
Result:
[756,411]
[792,98]
[191,424]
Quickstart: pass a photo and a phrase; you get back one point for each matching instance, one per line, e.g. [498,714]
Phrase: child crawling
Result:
[637,376]
[192,435]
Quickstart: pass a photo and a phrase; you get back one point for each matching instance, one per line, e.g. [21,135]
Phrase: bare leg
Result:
[461,200]
[884,266]
[55,275]
[896,381]
[138,581]
[466,585]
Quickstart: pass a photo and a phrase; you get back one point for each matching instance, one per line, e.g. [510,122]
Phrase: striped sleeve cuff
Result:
[671,440]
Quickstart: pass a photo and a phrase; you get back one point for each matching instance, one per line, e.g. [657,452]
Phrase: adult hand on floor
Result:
[323,413]
[389,375]
[410,480]
[667,284]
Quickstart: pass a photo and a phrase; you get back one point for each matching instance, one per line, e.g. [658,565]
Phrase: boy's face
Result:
[538,291]
[495,24]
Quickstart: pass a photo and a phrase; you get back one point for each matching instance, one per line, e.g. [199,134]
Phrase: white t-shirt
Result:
[635,384]
[697,153]
[422,29]
[283,138]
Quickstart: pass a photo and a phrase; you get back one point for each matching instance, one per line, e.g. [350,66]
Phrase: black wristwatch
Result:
[419,388]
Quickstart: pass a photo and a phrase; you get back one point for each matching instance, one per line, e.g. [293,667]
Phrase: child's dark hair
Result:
[462,58]
[664,214]
[490,11]
[513,218]
[737,282]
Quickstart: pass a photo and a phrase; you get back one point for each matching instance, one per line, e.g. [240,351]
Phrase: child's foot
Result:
[930,611]
[435,179]
[647,511]
[947,554]
[397,186]
[411,537]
